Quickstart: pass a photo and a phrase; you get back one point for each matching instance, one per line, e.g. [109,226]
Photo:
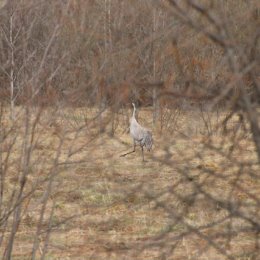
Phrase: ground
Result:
[196,196]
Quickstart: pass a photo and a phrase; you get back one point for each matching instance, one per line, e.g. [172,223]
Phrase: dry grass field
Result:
[196,197]
[69,71]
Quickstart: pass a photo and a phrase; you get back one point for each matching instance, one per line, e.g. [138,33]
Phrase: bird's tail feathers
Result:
[148,141]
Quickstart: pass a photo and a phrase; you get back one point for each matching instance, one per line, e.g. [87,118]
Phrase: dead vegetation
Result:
[196,197]
[69,71]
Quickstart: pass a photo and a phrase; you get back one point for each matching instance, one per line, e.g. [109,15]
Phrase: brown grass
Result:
[175,204]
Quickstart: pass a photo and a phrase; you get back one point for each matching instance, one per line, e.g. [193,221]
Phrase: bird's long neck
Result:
[134,112]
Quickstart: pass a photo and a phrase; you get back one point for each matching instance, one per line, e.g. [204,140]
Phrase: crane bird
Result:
[140,135]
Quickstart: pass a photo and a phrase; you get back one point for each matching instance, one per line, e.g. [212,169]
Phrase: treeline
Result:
[104,52]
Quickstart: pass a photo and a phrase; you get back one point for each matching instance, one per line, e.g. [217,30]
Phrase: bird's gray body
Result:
[140,135]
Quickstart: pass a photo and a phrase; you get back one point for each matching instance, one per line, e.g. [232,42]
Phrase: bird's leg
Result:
[142,152]
[122,155]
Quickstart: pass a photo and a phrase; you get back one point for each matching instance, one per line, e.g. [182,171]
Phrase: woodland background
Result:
[69,71]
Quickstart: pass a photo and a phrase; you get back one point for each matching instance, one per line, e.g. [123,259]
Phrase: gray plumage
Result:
[141,136]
